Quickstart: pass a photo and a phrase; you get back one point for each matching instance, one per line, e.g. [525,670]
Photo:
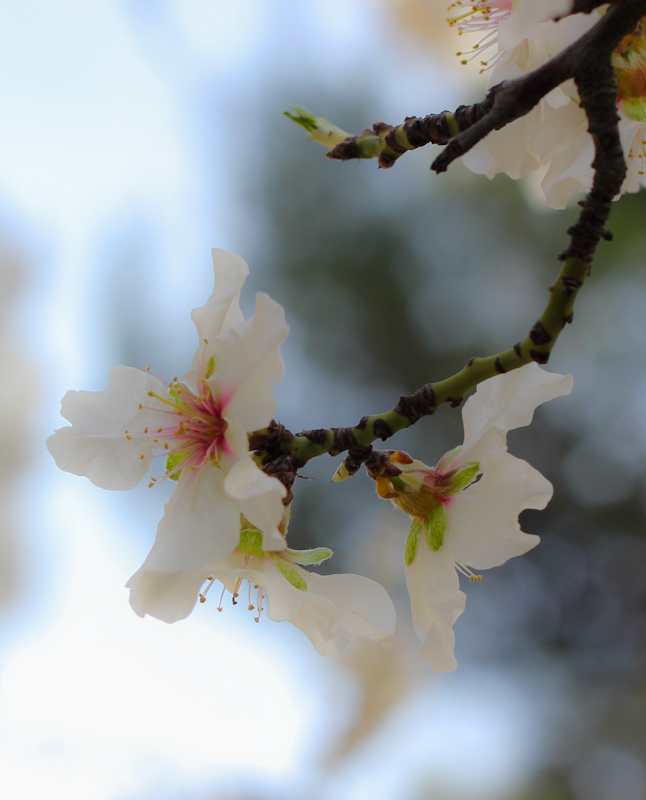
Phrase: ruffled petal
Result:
[483,529]
[248,365]
[503,403]
[221,311]
[96,445]
[363,609]
[436,603]
[201,523]
[260,498]
[166,596]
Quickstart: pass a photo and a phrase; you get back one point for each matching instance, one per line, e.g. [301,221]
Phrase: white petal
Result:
[509,150]
[334,609]
[166,596]
[436,603]
[260,498]
[201,523]
[363,609]
[96,445]
[503,403]
[222,309]
[248,364]
[483,529]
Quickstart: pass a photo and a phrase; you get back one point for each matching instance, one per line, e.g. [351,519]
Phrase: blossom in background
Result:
[465,510]
[199,426]
[331,609]
[518,37]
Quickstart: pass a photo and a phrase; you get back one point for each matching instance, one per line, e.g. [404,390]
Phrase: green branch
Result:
[536,347]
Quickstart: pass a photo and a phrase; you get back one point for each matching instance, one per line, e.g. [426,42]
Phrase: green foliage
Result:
[288,571]
[251,542]
[434,528]
[308,557]
[210,367]
[463,477]
[172,461]
[412,541]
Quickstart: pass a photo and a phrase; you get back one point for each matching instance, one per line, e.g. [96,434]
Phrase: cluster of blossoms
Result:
[227,520]
[519,36]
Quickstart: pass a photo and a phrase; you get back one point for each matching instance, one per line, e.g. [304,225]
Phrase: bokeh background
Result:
[136,135]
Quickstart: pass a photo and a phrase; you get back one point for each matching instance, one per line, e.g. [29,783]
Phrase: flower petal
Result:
[436,603]
[96,445]
[166,596]
[201,523]
[363,609]
[503,403]
[222,309]
[483,529]
[260,499]
[248,365]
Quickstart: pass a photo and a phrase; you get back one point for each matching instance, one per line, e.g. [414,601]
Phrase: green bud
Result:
[463,477]
[172,461]
[288,572]
[341,473]
[435,527]
[412,541]
[251,543]
[308,557]
[319,129]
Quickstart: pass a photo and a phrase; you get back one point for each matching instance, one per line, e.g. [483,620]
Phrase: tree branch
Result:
[504,103]
[281,452]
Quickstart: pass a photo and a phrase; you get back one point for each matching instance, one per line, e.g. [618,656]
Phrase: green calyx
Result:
[288,571]
[210,367]
[412,540]
[251,543]
[435,528]
[307,558]
[462,478]
[172,461]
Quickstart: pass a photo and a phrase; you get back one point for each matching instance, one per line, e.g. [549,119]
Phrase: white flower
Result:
[554,135]
[459,522]
[331,609]
[199,426]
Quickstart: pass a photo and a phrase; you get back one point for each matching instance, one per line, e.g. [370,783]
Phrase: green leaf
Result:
[308,557]
[210,367]
[412,541]
[251,542]
[172,461]
[288,572]
[435,527]
[319,129]
[302,117]
[463,477]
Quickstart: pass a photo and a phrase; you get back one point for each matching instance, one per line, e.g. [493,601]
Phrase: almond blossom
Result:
[332,610]
[198,425]
[554,135]
[465,510]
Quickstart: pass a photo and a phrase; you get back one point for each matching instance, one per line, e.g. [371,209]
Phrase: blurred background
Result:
[136,135]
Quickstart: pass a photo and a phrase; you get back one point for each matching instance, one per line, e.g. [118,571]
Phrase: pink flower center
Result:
[481,18]
[195,434]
